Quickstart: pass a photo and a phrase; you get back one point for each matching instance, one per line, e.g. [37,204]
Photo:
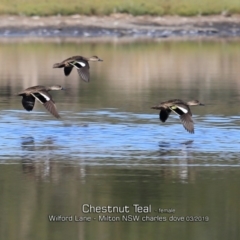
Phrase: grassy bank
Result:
[106,7]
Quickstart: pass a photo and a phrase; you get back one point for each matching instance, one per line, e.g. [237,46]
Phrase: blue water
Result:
[108,137]
[109,147]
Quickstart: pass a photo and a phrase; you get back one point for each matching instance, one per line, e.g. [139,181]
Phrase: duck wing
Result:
[67,70]
[187,122]
[51,107]
[45,98]
[163,114]
[180,109]
[84,74]
[82,67]
[28,102]
[184,112]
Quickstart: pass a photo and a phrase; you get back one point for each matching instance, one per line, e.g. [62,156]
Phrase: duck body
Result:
[80,63]
[181,108]
[41,93]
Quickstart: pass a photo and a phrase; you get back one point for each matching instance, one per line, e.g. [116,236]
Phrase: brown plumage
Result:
[181,108]
[41,93]
[80,63]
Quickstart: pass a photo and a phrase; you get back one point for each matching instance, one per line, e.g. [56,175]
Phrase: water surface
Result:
[110,149]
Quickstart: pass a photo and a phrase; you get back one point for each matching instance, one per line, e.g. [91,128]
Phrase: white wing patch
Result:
[183,109]
[45,96]
[36,98]
[82,64]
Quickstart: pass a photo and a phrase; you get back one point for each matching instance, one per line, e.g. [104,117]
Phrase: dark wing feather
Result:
[45,98]
[42,96]
[187,122]
[84,73]
[67,70]
[28,102]
[51,107]
[83,69]
[163,114]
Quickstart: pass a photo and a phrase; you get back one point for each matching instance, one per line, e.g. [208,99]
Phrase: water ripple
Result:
[108,137]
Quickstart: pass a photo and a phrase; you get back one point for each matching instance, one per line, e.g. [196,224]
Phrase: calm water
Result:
[110,149]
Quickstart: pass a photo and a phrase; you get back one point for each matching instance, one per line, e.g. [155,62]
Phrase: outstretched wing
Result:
[163,114]
[82,67]
[84,74]
[28,102]
[45,98]
[184,112]
[51,107]
[187,122]
[67,70]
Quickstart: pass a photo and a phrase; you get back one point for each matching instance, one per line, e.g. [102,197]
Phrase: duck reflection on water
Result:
[36,158]
[178,155]
[43,160]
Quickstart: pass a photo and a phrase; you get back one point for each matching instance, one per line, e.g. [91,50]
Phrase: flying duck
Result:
[41,93]
[181,108]
[80,63]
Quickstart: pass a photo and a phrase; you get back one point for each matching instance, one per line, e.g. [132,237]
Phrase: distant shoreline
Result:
[119,26]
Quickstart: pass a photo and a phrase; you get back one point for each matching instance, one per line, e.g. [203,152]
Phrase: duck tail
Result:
[155,107]
[58,65]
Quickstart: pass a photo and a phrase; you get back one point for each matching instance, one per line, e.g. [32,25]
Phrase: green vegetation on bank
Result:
[106,7]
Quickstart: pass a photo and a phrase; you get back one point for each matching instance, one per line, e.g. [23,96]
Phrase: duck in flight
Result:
[181,108]
[41,93]
[80,63]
